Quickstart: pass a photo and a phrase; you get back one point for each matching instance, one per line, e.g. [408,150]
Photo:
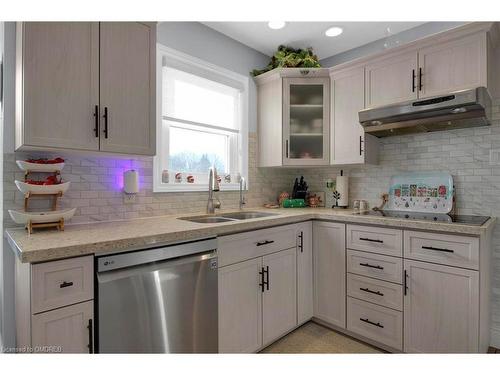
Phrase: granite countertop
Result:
[110,237]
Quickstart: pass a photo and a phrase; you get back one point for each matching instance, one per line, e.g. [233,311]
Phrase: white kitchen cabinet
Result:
[57,88]
[86,86]
[240,307]
[293,117]
[279,300]
[450,66]
[391,79]
[65,330]
[329,257]
[348,142]
[305,298]
[128,87]
[441,308]
[306,127]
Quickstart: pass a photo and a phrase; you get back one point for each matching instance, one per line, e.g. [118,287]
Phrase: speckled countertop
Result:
[116,236]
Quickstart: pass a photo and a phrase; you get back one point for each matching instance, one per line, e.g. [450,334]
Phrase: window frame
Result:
[203,69]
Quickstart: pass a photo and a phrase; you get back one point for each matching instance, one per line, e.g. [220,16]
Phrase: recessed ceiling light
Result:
[276,25]
[334,31]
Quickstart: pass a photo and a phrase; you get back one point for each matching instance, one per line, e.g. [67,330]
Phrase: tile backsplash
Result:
[96,188]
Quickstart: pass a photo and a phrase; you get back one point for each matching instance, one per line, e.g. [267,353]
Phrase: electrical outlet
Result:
[495,157]
[129,198]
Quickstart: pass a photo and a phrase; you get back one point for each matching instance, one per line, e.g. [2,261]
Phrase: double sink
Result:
[230,216]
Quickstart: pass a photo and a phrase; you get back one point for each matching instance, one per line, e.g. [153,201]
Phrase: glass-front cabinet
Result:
[306,121]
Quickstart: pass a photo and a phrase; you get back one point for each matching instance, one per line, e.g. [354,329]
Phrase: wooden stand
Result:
[54,196]
[57,224]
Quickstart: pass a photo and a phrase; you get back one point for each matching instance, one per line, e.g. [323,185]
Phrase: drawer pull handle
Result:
[65,284]
[371,291]
[371,240]
[437,249]
[372,323]
[266,242]
[371,266]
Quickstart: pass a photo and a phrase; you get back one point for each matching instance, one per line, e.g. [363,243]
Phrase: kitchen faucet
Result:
[243,185]
[213,185]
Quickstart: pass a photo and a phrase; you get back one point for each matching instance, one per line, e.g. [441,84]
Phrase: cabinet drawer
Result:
[61,283]
[375,322]
[459,251]
[374,265]
[376,240]
[375,291]
[239,247]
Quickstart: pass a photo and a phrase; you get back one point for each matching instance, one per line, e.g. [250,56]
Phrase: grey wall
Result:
[403,37]
[196,39]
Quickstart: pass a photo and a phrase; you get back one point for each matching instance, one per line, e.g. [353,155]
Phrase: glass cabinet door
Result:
[306,121]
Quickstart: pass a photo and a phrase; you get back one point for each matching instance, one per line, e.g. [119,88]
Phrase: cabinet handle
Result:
[96,121]
[65,284]
[266,242]
[360,145]
[372,323]
[262,282]
[413,87]
[267,277]
[91,337]
[405,282]
[301,243]
[286,148]
[419,79]
[437,249]
[371,240]
[371,291]
[371,266]
[106,116]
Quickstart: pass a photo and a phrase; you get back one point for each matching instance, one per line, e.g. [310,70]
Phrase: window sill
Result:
[186,188]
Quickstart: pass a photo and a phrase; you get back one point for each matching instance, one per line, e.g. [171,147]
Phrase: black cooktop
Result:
[442,218]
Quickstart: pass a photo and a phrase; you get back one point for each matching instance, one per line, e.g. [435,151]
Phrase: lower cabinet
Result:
[441,308]
[279,299]
[240,307]
[64,330]
[329,259]
[257,301]
[305,298]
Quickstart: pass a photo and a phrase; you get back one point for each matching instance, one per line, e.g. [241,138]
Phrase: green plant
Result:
[288,57]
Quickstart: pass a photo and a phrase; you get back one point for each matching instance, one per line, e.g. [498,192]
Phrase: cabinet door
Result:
[58,85]
[329,272]
[451,66]
[240,307]
[306,107]
[128,87]
[66,330]
[441,308]
[305,299]
[279,302]
[391,79]
[348,143]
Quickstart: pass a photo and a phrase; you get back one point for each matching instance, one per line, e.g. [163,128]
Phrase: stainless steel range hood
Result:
[459,109]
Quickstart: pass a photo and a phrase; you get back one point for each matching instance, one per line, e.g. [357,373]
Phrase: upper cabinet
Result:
[349,143]
[293,117]
[451,66]
[86,86]
[391,79]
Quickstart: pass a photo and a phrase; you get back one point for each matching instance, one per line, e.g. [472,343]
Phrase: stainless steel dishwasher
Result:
[161,300]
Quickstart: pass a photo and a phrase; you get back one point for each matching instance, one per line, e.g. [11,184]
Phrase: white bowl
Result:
[21,217]
[35,167]
[42,189]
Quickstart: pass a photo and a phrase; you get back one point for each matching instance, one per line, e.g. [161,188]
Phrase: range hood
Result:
[459,109]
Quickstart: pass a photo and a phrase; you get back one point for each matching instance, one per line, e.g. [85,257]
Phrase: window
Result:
[202,122]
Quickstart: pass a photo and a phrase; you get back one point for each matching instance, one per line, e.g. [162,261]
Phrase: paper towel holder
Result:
[130,182]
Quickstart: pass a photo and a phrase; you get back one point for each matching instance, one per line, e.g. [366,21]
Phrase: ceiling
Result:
[259,36]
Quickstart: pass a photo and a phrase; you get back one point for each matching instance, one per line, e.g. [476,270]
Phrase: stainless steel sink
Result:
[231,216]
[243,215]
[207,219]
